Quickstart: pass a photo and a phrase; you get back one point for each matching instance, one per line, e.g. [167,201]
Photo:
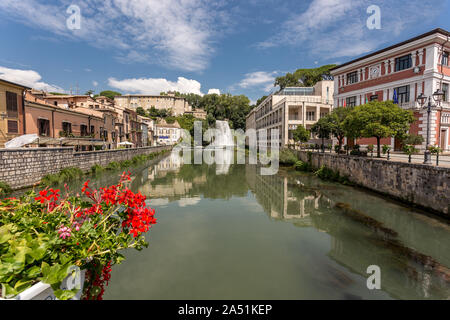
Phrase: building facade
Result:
[12,112]
[49,121]
[416,66]
[168,134]
[177,105]
[290,108]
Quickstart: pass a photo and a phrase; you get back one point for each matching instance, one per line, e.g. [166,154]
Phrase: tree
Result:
[260,100]
[89,92]
[301,135]
[378,119]
[110,94]
[304,77]
[140,111]
[322,129]
[336,121]
[413,140]
[289,80]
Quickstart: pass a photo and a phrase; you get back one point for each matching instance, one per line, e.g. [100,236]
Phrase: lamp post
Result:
[437,97]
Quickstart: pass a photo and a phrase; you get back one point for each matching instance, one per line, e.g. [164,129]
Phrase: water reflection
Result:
[345,229]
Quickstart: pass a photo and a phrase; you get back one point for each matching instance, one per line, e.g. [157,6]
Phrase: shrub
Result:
[95,169]
[302,166]
[126,163]
[63,176]
[5,189]
[328,174]
[287,157]
[113,166]
[358,153]
[435,149]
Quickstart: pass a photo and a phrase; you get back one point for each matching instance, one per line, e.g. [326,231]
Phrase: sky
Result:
[194,46]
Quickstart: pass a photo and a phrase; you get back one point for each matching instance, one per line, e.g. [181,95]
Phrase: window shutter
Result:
[11,104]
[13,126]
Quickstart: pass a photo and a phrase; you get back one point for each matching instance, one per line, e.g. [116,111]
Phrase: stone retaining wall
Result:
[25,167]
[421,185]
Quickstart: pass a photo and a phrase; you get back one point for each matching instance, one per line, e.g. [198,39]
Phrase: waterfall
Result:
[224,138]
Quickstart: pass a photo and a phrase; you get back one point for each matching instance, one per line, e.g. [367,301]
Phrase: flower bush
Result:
[43,235]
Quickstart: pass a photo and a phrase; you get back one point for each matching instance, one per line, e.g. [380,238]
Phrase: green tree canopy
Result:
[110,94]
[336,121]
[140,111]
[323,129]
[301,134]
[304,77]
[379,119]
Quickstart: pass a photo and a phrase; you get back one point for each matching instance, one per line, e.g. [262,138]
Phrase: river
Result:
[226,232]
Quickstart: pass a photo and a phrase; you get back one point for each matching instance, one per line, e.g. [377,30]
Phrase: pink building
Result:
[51,121]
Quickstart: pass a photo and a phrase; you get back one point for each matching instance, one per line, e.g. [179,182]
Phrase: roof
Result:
[91,112]
[438,30]
[29,98]
[14,84]
[147,96]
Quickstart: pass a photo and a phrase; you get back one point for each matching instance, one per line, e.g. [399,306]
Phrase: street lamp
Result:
[437,97]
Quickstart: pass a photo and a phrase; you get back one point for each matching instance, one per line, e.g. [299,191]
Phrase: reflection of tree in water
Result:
[358,239]
[211,186]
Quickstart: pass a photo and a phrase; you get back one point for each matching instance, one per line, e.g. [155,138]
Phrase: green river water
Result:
[226,232]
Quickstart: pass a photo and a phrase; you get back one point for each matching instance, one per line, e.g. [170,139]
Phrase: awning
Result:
[34,139]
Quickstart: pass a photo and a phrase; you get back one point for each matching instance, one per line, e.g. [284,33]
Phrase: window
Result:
[445,59]
[67,127]
[92,130]
[83,130]
[403,63]
[351,102]
[403,94]
[13,126]
[11,104]
[310,116]
[445,89]
[44,127]
[352,77]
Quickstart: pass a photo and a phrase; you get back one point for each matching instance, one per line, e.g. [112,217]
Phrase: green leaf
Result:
[65,294]
[8,292]
[23,284]
[5,233]
[33,272]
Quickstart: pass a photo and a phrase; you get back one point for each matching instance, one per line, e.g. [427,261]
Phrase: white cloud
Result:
[176,33]
[95,83]
[258,79]
[156,85]
[214,91]
[337,28]
[28,78]
[186,202]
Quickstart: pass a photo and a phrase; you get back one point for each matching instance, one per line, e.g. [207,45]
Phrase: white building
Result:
[168,134]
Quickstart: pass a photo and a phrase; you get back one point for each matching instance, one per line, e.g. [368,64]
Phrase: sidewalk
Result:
[444,160]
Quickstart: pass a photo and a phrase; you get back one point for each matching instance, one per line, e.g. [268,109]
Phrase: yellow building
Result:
[11,111]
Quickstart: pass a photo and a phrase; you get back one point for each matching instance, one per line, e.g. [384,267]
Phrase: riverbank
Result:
[22,168]
[425,187]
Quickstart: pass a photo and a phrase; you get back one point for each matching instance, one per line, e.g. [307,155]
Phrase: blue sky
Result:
[236,46]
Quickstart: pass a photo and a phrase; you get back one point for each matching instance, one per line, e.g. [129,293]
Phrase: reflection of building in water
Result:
[171,163]
[169,168]
[280,199]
